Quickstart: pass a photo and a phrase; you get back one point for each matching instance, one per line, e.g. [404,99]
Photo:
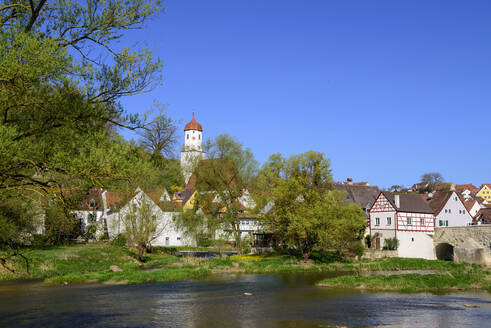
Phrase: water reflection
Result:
[277,301]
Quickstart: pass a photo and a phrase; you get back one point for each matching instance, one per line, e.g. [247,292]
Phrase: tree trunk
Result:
[141,251]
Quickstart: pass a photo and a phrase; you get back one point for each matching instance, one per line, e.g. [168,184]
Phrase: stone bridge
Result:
[471,244]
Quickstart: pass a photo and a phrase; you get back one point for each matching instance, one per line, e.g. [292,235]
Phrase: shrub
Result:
[391,243]
[164,249]
[204,241]
[119,240]
[325,256]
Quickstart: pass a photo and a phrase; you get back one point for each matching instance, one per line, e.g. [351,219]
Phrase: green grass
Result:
[456,276]
[91,263]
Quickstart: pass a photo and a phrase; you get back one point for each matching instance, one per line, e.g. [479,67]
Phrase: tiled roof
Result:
[438,201]
[360,194]
[468,186]
[413,203]
[483,216]
[193,125]
[469,203]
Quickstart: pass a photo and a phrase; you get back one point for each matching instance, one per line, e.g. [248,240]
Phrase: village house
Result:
[449,209]
[406,217]
[485,192]
[467,190]
[483,216]
[472,206]
[162,208]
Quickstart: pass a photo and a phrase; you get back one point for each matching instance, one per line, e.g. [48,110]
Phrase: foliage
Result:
[119,240]
[141,224]
[222,183]
[391,243]
[62,74]
[159,138]
[307,213]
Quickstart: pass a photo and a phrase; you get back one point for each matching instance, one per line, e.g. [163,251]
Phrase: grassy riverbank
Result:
[448,276]
[92,262]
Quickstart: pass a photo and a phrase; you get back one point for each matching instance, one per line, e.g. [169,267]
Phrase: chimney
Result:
[397,201]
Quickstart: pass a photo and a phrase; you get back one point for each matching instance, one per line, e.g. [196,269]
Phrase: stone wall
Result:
[378,254]
[471,244]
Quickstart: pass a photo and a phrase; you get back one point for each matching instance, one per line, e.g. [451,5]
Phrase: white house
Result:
[472,206]
[449,209]
[406,217]
[167,235]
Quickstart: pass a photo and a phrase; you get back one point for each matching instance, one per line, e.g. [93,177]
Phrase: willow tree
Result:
[223,181]
[62,74]
[307,213]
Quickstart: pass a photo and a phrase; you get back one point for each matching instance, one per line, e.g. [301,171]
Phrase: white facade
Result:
[453,213]
[413,230]
[415,245]
[168,234]
[192,152]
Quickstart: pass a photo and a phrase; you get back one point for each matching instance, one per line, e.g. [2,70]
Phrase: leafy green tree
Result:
[141,225]
[61,75]
[307,212]
[222,182]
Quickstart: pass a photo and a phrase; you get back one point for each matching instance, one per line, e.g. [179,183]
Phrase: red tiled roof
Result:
[468,186]
[193,125]
[469,203]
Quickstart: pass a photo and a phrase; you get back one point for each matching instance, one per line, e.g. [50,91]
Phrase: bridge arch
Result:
[444,251]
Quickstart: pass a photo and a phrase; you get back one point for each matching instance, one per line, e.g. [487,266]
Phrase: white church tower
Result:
[192,152]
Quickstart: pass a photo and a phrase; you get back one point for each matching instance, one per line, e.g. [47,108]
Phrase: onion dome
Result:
[193,125]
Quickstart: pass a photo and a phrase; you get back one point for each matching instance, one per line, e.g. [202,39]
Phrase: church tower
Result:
[191,153]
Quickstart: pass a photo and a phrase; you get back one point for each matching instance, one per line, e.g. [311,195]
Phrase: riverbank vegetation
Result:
[105,263]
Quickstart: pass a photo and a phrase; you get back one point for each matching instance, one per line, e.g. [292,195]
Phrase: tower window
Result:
[199,136]
[187,136]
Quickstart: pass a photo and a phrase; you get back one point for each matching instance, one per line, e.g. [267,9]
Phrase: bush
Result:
[165,249]
[391,244]
[119,240]
[40,241]
[204,241]
[325,256]
[356,249]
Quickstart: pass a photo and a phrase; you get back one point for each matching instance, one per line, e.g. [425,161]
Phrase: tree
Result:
[62,74]
[160,138]
[432,178]
[222,182]
[429,181]
[307,212]
[141,224]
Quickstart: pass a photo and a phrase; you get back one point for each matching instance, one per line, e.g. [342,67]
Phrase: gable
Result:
[382,204]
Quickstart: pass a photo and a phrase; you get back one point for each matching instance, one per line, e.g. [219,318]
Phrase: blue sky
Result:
[388,90]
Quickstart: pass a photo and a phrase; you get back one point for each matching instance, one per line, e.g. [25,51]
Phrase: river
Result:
[283,300]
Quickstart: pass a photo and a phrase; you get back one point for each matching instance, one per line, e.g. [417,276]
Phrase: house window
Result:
[409,221]
[389,221]
[446,223]
[445,210]
[422,222]
[440,223]
[178,238]
[449,211]
[377,221]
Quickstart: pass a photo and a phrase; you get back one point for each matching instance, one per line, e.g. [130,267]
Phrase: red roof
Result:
[193,125]
[468,186]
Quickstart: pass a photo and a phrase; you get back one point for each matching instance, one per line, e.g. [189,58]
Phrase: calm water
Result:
[278,301]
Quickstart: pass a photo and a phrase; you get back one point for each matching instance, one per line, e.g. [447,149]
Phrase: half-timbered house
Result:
[406,217]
